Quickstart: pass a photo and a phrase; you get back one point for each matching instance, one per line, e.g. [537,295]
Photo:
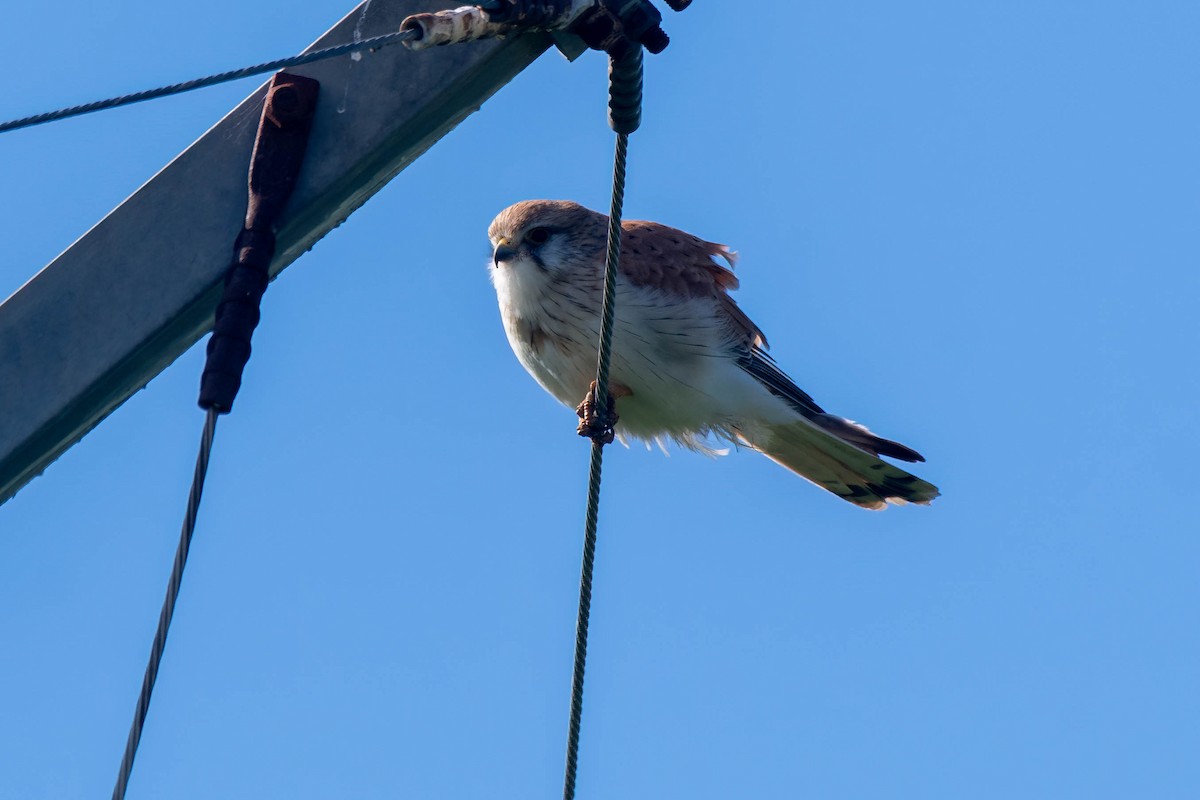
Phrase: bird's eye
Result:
[538,235]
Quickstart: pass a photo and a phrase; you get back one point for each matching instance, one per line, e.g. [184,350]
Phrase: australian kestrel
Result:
[688,364]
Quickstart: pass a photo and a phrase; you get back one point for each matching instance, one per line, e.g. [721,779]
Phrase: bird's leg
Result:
[594,423]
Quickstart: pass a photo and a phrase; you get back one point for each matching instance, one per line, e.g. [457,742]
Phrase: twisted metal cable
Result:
[604,361]
[168,608]
[608,308]
[373,43]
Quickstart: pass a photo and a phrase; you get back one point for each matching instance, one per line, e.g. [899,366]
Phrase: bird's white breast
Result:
[673,354]
[550,336]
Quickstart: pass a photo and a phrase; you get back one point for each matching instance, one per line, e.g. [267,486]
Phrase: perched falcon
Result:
[688,364]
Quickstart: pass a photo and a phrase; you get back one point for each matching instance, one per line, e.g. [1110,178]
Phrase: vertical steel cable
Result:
[168,608]
[624,115]
[604,361]
[608,308]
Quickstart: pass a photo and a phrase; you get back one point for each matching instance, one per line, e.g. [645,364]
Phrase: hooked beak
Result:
[504,252]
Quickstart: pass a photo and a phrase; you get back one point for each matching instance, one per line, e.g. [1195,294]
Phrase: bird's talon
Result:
[593,424]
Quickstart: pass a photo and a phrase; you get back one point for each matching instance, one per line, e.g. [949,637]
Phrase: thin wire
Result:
[168,608]
[211,80]
[604,360]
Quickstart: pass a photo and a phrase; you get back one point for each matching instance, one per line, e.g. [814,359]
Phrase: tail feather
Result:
[841,465]
[760,366]
[858,435]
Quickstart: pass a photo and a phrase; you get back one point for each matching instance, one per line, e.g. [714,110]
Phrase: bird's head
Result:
[547,235]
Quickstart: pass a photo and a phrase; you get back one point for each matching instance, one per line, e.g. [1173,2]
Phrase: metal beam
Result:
[110,313]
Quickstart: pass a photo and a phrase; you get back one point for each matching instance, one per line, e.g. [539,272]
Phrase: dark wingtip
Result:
[886,447]
[860,437]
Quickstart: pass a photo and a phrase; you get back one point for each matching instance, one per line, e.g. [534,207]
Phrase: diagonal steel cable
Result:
[373,43]
[168,608]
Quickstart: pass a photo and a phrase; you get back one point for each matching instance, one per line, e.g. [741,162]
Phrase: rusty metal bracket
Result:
[274,167]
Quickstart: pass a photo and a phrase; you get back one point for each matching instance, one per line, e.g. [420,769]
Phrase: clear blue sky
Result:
[972,226]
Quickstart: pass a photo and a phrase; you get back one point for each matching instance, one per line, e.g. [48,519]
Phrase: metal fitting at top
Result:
[615,26]
[465,24]
[618,26]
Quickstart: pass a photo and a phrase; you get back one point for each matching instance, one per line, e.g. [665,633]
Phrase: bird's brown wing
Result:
[683,265]
[678,263]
